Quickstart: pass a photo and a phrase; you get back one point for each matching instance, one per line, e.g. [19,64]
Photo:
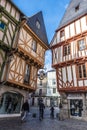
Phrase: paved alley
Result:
[46,124]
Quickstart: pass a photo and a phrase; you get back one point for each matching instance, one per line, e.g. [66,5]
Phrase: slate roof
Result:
[71,14]
[41,32]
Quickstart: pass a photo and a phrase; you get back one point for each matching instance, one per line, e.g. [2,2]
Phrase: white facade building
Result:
[52,93]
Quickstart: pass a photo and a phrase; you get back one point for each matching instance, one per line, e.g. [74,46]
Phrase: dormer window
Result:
[77,8]
[38,24]
[62,33]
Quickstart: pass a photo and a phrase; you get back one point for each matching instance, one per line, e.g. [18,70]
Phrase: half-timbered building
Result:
[23,42]
[69,58]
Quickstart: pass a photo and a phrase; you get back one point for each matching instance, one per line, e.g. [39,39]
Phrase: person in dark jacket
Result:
[41,109]
[52,112]
[25,109]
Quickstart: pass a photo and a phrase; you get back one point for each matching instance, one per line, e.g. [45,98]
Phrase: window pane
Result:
[81,44]
[67,49]
[34,46]
[27,74]
[84,71]
[54,90]
[2,25]
[62,33]
[80,73]
[53,81]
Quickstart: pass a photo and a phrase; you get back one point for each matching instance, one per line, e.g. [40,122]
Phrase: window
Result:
[81,45]
[55,55]
[2,25]
[62,34]
[40,92]
[41,82]
[34,45]
[38,24]
[53,81]
[67,49]
[76,107]
[82,71]
[10,103]
[54,90]
[76,8]
[27,74]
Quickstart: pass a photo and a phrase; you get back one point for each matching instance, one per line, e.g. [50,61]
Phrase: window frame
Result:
[54,90]
[27,74]
[81,73]
[4,25]
[78,44]
[62,33]
[34,45]
[53,81]
[66,50]
[38,25]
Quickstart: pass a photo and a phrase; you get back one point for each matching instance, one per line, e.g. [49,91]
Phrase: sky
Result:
[52,10]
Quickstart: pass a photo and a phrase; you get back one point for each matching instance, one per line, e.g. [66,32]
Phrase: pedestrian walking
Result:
[25,110]
[52,112]
[41,109]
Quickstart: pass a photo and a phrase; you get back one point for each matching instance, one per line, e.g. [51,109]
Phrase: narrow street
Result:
[46,124]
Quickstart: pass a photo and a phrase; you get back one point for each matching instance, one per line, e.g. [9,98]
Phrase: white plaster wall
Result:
[11,31]
[3,2]
[61,54]
[77,25]
[58,37]
[4,19]
[13,11]
[1,35]
[74,75]
[83,26]
[8,7]
[64,74]
[85,82]
[80,83]
[69,73]
[17,16]
[72,50]
[67,32]
[72,30]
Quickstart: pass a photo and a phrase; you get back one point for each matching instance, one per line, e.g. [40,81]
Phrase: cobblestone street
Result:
[46,124]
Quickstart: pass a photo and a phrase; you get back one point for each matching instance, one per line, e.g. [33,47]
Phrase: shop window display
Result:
[76,107]
[10,103]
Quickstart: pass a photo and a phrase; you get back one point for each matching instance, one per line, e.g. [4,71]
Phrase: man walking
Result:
[25,110]
[41,109]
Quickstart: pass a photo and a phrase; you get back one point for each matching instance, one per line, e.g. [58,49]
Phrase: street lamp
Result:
[41,76]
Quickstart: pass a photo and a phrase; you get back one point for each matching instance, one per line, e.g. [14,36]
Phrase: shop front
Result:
[10,103]
[75,105]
